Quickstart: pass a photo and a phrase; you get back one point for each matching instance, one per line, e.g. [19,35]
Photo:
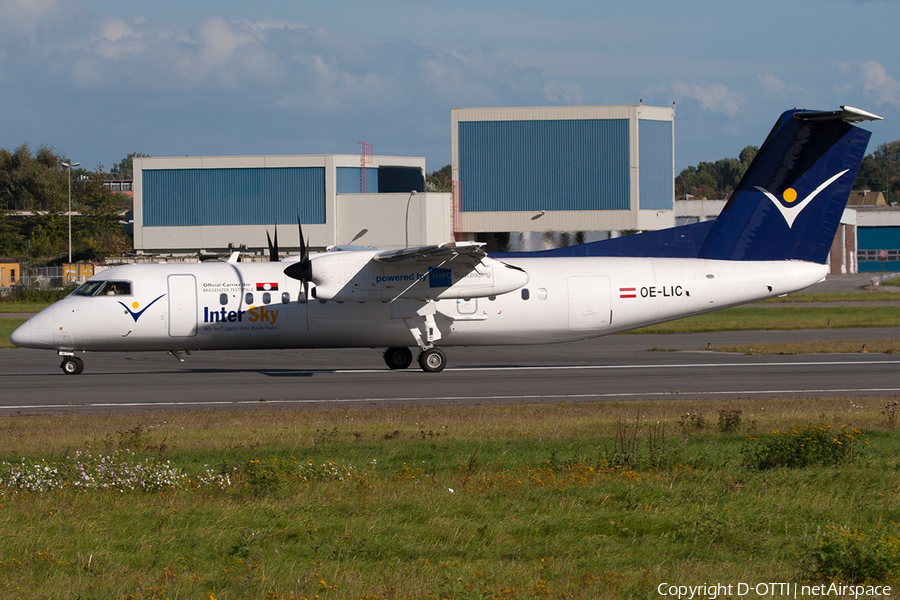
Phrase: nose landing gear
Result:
[72,365]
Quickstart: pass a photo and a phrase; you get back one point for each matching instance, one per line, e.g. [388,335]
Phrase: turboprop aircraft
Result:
[772,238]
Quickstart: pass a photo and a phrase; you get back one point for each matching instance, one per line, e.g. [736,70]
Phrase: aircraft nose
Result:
[36,332]
[22,335]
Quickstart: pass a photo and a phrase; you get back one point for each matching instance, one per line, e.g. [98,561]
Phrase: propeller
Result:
[273,247]
[302,269]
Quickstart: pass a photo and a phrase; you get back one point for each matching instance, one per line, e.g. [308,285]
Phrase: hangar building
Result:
[211,204]
[562,169]
[516,171]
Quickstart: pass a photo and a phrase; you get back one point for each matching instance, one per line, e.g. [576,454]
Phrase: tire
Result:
[397,358]
[433,360]
[72,365]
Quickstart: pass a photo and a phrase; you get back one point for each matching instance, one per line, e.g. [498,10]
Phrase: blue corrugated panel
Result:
[657,177]
[349,180]
[544,165]
[874,266]
[255,196]
[878,238]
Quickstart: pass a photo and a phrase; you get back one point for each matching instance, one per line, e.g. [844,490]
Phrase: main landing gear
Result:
[431,360]
[418,318]
[72,365]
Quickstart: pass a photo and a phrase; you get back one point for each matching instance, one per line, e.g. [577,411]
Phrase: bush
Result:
[801,447]
[853,556]
[35,294]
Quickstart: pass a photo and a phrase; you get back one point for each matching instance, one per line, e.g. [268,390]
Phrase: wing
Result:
[427,255]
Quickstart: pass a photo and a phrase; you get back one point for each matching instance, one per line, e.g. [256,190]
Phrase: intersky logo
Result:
[788,209]
[136,306]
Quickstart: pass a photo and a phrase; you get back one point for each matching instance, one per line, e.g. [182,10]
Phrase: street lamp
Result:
[408,200]
[69,166]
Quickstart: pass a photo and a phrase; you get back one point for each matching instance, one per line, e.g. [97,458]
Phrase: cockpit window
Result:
[104,288]
[88,288]
[115,288]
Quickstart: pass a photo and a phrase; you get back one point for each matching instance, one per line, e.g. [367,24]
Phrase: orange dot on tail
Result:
[134,305]
[790,195]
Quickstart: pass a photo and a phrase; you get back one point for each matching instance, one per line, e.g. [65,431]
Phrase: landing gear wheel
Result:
[398,358]
[432,360]
[72,365]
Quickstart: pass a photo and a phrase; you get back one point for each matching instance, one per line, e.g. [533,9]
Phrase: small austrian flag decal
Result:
[627,292]
[266,287]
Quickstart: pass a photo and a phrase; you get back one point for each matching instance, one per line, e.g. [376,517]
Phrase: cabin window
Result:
[115,288]
[525,294]
[248,298]
[285,297]
[223,299]
[267,298]
[542,294]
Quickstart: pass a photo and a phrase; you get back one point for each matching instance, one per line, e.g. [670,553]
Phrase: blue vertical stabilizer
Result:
[789,203]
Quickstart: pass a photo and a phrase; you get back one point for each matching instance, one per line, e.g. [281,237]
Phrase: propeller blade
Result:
[306,295]
[302,269]
[273,247]
[304,250]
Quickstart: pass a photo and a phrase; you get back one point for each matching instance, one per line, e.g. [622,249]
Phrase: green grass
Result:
[7,326]
[815,347]
[782,318]
[561,501]
[23,307]
[857,296]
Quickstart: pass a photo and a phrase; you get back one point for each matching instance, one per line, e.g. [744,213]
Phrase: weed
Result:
[691,423]
[325,436]
[801,447]
[640,447]
[729,420]
[890,412]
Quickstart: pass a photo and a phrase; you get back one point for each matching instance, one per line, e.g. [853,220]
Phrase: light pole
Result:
[408,200]
[69,166]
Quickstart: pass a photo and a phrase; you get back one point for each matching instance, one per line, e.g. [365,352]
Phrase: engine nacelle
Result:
[356,277]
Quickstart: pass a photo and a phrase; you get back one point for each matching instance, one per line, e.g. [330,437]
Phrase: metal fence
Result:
[44,278]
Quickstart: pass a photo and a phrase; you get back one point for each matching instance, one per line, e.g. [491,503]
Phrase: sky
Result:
[97,79]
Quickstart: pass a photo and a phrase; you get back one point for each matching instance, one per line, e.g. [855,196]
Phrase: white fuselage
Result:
[208,306]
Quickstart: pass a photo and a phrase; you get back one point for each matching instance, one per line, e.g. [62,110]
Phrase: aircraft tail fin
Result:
[789,203]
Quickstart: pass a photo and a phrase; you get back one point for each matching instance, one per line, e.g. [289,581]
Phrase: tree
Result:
[36,182]
[880,171]
[714,180]
[99,231]
[123,170]
[440,180]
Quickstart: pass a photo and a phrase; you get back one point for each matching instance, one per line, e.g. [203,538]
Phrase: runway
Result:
[617,368]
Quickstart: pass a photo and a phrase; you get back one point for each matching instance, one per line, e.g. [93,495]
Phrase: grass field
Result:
[22,307]
[888,346]
[562,501]
[7,326]
[782,318]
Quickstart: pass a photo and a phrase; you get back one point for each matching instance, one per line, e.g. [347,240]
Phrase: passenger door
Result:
[182,306]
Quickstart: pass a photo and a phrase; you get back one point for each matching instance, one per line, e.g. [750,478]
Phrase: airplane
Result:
[772,238]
